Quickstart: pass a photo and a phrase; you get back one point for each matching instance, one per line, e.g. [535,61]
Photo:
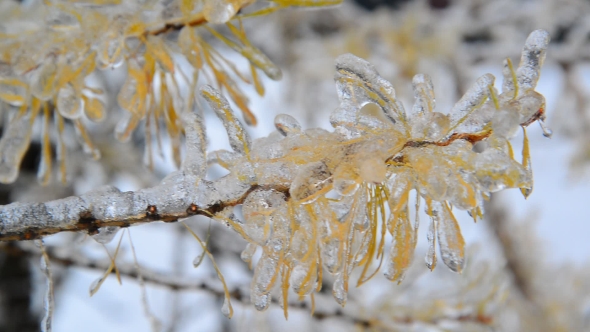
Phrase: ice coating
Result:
[13,146]
[531,60]
[314,200]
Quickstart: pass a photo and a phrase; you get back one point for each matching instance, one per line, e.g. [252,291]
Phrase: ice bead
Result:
[220,11]
[531,60]
[248,252]
[69,102]
[287,124]
[303,278]
[528,106]
[94,109]
[106,234]
[43,81]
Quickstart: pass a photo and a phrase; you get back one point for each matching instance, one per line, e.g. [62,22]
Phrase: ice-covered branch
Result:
[314,199]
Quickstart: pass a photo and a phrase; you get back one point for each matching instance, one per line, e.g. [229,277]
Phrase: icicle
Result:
[226,309]
[358,83]
[450,240]
[531,60]
[424,101]
[195,160]
[402,248]
[14,144]
[526,163]
[238,137]
[49,303]
[431,236]
[471,100]
[44,172]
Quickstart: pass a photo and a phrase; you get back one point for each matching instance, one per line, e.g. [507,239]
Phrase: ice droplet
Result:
[43,81]
[287,124]
[69,102]
[547,132]
[261,301]
[226,308]
[248,252]
[106,234]
[219,11]
[94,109]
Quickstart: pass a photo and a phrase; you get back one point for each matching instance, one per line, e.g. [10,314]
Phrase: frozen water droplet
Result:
[226,308]
[547,132]
[69,102]
[248,253]
[43,81]
[106,234]
[95,285]
[287,124]
[219,11]
[94,109]
[261,301]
